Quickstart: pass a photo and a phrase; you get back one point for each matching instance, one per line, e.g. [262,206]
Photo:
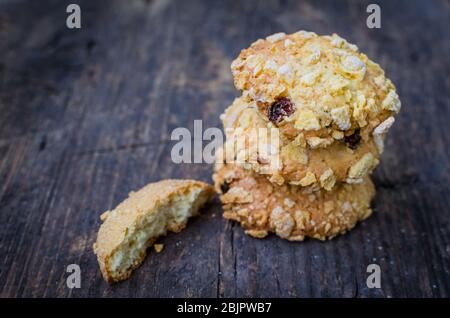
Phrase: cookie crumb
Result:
[158,247]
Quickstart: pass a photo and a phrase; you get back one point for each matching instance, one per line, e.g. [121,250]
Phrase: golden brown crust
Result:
[290,212]
[129,216]
[333,87]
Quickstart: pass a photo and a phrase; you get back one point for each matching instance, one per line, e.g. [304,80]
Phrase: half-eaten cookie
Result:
[134,225]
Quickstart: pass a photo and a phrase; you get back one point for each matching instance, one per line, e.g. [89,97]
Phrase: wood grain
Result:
[86,116]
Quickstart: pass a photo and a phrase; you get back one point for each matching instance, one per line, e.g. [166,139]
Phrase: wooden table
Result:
[86,116]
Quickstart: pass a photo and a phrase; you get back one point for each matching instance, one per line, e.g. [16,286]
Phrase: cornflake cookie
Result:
[135,224]
[320,87]
[254,144]
[290,212]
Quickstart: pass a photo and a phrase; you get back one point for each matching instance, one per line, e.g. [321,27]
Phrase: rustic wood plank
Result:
[86,116]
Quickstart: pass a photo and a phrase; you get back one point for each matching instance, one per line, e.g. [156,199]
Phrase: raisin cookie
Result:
[288,211]
[134,225]
[318,87]
[254,144]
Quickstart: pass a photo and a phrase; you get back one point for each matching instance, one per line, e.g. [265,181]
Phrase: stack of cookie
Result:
[304,136]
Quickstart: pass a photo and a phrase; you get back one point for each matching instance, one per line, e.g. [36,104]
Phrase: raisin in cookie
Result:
[319,87]
[290,212]
[254,144]
[133,226]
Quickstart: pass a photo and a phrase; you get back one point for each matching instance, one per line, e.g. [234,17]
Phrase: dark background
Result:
[86,116]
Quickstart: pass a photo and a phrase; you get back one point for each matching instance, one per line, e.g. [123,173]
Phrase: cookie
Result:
[320,87]
[254,144]
[290,212]
[134,225]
